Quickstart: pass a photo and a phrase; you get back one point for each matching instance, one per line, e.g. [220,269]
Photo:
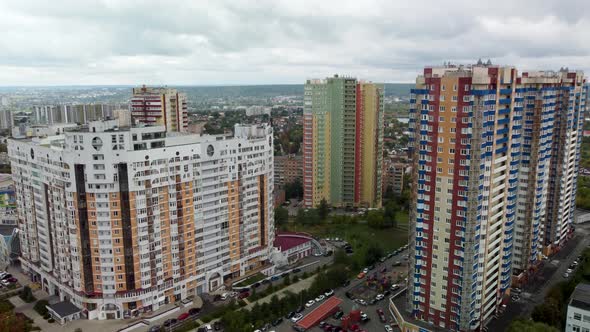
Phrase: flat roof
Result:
[581,297]
[320,313]
[64,309]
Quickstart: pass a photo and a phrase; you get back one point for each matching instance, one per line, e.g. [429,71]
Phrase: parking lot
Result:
[359,286]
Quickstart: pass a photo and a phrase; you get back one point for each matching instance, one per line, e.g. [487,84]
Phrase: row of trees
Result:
[260,314]
[553,309]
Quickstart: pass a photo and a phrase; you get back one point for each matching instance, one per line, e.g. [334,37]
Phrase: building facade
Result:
[578,310]
[161,107]
[74,113]
[120,221]
[342,142]
[481,144]
[6,120]
[288,169]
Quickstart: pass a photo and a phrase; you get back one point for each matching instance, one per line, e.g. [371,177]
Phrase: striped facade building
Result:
[482,146]
[120,221]
[160,107]
[342,142]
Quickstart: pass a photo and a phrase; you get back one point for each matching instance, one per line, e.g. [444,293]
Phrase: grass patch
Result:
[359,235]
[250,280]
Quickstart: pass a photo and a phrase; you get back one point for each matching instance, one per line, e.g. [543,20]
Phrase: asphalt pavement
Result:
[373,325]
[550,274]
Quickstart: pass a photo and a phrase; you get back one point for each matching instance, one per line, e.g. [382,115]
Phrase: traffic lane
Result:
[347,304]
[549,275]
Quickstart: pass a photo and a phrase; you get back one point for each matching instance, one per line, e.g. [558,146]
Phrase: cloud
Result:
[265,42]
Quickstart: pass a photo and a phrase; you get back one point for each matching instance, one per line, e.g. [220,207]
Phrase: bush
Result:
[5,306]
[40,307]
[206,319]
[27,295]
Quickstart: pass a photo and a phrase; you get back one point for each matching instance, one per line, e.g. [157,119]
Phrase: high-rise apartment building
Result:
[122,220]
[161,107]
[482,143]
[6,120]
[342,142]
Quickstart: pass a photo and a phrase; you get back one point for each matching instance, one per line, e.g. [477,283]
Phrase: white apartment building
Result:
[578,310]
[120,221]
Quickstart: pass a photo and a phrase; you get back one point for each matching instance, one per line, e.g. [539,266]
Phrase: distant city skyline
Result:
[268,42]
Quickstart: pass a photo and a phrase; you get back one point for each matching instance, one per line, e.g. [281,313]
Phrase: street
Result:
[549,275]
[374,324]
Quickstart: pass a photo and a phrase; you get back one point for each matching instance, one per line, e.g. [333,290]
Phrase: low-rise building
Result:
[578,310]
[293,246]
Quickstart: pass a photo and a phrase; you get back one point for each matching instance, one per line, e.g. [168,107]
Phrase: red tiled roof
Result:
[320,313]
[285,241]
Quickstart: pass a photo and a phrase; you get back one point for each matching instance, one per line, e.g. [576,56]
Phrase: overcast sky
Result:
[197,42]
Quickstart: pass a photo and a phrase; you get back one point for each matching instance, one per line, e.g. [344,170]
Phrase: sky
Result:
[234,42]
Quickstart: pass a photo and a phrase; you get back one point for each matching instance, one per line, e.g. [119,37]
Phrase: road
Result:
[550,274]
[372,325]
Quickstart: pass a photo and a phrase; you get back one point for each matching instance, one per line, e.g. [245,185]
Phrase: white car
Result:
[569,271]
[310,303]
[366,270]
[320,298]
[388,328]
[296,318]
[379,297]
[329,293]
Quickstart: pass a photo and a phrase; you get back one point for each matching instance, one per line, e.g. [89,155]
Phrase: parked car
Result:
[569,271]
[310,303]
[296,318]
[243,295]
[394,287]
[366,270]
[274,278]
[194,311]
[217,326]
[300,309]
[381,315]
[346,283]
[566,275]
[6,276]
[169,322]
[183,316]
[12,280]
[277,321]
[379,297]
[364,317]
[290,315]
[388,328]
[361,275]
[338,314]
[329,293]
[155,328]
[295,270]
[320,298]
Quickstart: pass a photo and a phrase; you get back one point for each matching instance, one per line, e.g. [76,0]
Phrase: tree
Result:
[375,219]
[281,215]
[27,295]
[287,280]
[522,325]
[294,189]
[300,219]
[548,312]
[323,209]
[374,252]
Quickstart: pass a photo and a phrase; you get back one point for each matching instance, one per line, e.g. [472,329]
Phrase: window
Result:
[454,109]
[454,98]
[577,316]
[442,98]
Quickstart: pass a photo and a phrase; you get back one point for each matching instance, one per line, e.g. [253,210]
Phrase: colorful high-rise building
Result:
[483,145]
[160,107]
[120,220]
[342,142]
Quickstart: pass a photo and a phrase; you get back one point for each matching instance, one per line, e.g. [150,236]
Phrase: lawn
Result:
[250,280]
[360,234]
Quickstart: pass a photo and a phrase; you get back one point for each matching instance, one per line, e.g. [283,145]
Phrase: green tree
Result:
[374,252]
[294,189]
[287,280]
[323,209]
[548,312]
[27,295]
[281,215]
[375,219]
[300,219]
[390,212]
[523,325]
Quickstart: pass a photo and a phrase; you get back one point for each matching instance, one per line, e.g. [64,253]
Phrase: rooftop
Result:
[64,309]
[581,297]
[286,241]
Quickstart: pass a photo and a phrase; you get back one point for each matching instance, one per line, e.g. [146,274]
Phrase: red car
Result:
[243,295]
[381,315]
[183,316]
[12,280]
